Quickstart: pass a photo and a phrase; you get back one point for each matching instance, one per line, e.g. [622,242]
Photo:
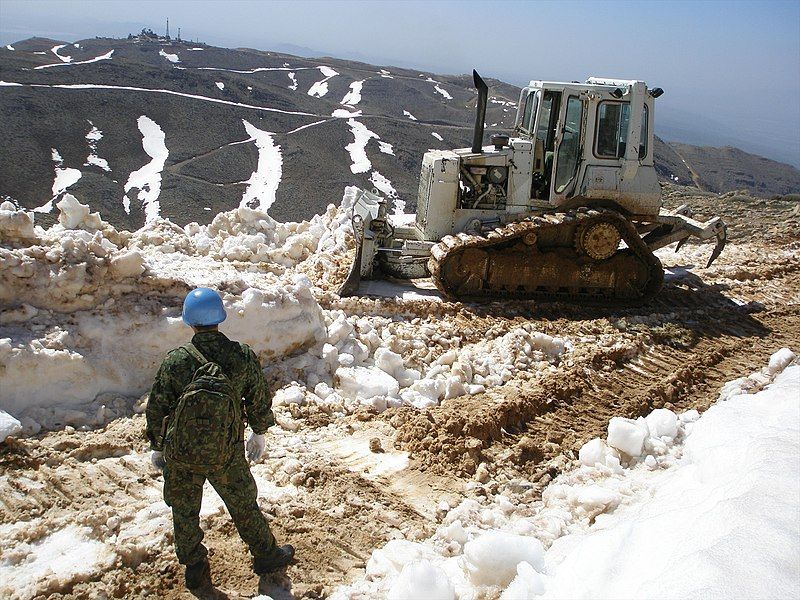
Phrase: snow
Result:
[353,96]
[220,85]
[443,92]
[106,56]
[173,58]
[627,435]
[306,126]
[64,179]
[437,136]
[55,50]
[409,115]
[714,516]
[725,519]
[9,47]
[293,78]
[66,556]
[147,179]
[386,148]
[342,113]
[421,579]
[383,185]
[9,426]
[386,74]
[94,136]
[263,183]
[320,88]
[357,149]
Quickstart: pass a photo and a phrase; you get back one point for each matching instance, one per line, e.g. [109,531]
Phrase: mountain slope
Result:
[150,126]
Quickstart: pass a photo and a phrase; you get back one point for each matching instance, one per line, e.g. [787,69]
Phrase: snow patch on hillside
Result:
[173,58]
[106,56]
[94,136]
[386,74]
[384,186]
[9,47]
[386,148]
[263,183]
[147,179]
[353,96]
[55,50]
[220,85]
[358,148]
[437,136]
[409,115]
[293,78]
[64,178]
[320,88]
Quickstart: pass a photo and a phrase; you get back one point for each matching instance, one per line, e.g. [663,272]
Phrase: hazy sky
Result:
[731,70]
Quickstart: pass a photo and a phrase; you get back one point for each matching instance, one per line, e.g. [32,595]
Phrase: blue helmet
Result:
[203,307]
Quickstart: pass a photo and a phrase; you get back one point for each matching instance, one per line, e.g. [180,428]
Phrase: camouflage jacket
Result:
[238,362]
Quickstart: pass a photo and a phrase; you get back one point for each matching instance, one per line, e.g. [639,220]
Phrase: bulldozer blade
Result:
[353,281]
[722,239]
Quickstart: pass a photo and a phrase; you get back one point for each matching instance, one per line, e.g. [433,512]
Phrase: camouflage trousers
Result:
[183,492]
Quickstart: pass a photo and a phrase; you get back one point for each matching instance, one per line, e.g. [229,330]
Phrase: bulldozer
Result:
[566,208]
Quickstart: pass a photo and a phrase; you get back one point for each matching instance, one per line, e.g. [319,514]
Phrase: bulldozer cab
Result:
[581,130]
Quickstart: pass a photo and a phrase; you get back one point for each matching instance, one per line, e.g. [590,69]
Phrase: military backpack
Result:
[205,430]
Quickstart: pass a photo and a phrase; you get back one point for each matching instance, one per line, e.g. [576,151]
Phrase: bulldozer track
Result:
[546,246]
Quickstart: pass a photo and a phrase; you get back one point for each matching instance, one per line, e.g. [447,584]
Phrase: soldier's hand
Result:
[255,446]
[157,458]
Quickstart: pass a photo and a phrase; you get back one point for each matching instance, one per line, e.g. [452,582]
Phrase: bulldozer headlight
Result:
[497,174]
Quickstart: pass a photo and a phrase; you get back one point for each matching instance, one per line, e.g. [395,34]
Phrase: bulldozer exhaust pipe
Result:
[480,117]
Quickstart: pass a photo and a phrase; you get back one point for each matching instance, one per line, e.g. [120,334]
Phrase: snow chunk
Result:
[492,558]
[147,179]
[263,183]
[421,579]
[627,435]
[366,383]
[15,224]
[220,85]
[527,585]
[75,215]
[409,115]
[9,426]
[662,422]
[437,136]
[173,58]
[780,360]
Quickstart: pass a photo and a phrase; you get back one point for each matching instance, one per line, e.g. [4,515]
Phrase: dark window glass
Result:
[569,149]
[612,130]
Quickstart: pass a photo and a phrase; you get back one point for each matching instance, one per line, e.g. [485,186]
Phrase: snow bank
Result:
[148,178]
[714,515]
[725,519]
[263,183]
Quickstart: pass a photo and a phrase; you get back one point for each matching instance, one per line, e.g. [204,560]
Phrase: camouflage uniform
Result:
[183,490]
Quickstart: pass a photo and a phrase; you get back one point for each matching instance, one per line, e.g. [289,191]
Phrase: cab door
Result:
[570,135]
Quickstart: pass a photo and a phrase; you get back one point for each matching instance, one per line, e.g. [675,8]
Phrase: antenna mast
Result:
[167,27]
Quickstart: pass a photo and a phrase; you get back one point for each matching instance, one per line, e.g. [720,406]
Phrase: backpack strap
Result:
[193,351]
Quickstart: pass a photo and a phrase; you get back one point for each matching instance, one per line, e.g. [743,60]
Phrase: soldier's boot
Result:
[198,575]
[273,562]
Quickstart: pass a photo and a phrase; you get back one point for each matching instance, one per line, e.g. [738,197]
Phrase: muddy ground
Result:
[354,491]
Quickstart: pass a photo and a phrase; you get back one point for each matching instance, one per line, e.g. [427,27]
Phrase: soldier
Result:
[198,401]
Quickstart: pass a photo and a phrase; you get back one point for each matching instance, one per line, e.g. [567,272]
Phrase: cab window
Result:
[530,111]
[612,130]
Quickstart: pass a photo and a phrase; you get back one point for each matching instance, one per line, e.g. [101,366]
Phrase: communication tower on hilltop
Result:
[167,28]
